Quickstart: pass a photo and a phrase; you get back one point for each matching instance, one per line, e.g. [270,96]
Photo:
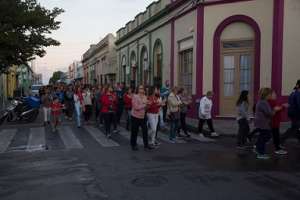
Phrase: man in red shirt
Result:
[108,110]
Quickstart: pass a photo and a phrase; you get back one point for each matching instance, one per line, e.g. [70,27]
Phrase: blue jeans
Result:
[78,114]
[173,128]
[263,138]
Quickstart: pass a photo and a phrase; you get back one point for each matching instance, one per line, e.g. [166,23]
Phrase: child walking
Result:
[242,105]
[56,110]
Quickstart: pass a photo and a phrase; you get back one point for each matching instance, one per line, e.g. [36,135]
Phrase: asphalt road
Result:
[79,164]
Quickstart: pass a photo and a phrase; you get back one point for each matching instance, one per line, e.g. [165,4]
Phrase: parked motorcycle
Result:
[21,110]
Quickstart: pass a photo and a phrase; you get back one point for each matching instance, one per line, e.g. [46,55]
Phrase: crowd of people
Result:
[152,108]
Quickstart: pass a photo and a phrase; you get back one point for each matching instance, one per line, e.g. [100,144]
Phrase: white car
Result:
[35,90]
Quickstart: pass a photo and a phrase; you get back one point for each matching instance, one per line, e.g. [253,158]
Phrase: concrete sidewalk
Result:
[227,127]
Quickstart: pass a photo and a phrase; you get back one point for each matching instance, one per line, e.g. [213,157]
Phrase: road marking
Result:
[69,139]
[37,140]
[165,138]
[6,137]
[123,132]
[100,138]
[201,138]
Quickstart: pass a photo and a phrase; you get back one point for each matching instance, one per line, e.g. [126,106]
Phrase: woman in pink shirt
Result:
[138,118]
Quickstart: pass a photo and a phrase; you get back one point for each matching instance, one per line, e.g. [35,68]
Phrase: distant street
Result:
[81,164]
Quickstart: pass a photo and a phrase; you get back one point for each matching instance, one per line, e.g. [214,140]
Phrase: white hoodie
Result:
[205,108]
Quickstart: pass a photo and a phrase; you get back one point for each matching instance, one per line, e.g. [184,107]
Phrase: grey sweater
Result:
[263,115]
[242,111]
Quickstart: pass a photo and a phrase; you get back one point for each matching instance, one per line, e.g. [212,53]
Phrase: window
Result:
[245,72]
[185,70]
[229,76]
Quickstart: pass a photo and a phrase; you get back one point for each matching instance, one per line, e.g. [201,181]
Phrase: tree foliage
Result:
[55,77]
[25,27]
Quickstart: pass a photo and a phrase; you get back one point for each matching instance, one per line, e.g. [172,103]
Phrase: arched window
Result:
[157,63]
[145,66]
[133,69]
[123,69]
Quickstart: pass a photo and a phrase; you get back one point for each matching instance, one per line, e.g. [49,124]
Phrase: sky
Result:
[84,22]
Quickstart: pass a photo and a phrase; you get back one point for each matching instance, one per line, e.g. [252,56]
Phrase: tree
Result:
[55,77]
[25,27]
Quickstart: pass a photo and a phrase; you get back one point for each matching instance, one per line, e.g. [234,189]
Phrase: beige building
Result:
[100,62]
[221,45]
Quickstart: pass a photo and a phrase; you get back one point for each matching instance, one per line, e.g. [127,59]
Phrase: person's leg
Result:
[200,126]
[165,109]
[240,133]
[114,121]
[48,115]
[276,138]
[210,125]
[45,111]
[77,109]
[183,123]
[110,120]
[172,129]
[243,131]
[134,131]
[263,138]
[161,119]
[144,127]
[152,125]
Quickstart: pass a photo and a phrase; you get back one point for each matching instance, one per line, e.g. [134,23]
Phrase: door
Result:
[237,74]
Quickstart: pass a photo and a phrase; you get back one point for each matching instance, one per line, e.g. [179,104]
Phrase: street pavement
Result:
[81,164]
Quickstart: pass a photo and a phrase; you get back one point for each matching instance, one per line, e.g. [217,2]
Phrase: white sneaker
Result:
[214,134]
[281,152]
[201,135]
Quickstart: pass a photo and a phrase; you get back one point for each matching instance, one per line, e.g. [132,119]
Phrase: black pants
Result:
[243,132]
[119,112]
[276,138]
[165,109]
[69,108]
[88,112]
[294,131]
[183,123]
[108,120]
[135,124]
[263,137]
[209,123]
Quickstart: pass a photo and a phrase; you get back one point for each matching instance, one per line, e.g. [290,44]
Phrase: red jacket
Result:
[56,108]
[276,119]
[153,106]
[108,103]
[127,101]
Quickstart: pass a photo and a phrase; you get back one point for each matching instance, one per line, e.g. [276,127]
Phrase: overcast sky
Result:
[83,23]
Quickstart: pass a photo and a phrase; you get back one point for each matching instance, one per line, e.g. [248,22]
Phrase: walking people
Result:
[138,118]
[79,105]
[174,104]
[128,106]
[153,108]
[108,109]
[186,102]
[56,108]
[69,102]
[46,100]
[242,105]
[204,113]
[293,114]
[263,119]
[87,99]
[276,119]
[98,94]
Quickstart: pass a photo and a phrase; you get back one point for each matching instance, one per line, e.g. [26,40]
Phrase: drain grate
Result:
[149,181]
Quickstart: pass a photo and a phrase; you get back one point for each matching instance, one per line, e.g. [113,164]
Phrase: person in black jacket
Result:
[293,114]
